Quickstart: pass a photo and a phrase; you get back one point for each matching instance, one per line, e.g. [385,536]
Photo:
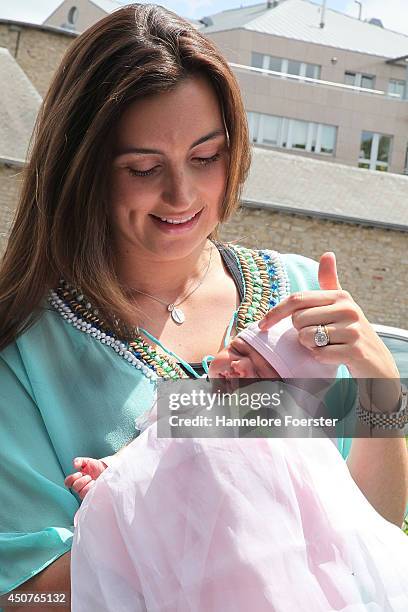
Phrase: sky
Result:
[393,13]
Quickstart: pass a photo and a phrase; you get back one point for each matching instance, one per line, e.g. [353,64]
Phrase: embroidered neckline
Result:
[265,284]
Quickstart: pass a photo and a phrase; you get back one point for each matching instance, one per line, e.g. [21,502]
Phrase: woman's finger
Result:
[341,313]
[299,301]
[340,334]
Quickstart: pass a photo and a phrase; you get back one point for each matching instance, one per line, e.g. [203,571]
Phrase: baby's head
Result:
[240,360]
[276,353]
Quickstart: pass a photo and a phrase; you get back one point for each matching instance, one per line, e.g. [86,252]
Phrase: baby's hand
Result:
[82,481]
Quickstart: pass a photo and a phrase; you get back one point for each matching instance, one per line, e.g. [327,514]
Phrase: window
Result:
[257,60]
[73,15]
[313,71]
[397,88]
[275,64]
[271,129]
[375,151]
[292,133]
[253,126]
[287,66]
[327,139]
[293,67]
[367,81]
[298,133]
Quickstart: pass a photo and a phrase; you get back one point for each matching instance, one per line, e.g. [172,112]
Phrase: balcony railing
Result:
[304,79]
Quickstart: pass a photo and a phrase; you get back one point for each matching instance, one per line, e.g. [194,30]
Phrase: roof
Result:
[300,19]
[19,104]
[107,5]
[326,189]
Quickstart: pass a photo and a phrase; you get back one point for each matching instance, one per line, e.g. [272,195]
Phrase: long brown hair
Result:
[61,227]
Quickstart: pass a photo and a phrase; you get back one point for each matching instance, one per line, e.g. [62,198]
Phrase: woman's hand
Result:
[82,481]
[353,341]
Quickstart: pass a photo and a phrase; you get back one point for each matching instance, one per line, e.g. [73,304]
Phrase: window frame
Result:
[373,163]
[314,133]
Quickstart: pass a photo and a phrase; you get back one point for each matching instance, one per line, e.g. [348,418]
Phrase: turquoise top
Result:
[64,394]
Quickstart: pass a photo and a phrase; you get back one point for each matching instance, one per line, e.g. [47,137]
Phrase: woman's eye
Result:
[203,161]
[133,172]
[208,160]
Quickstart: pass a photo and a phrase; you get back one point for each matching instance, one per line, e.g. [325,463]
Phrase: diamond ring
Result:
[321,337]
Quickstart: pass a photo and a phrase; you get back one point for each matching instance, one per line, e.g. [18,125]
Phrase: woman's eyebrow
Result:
[141,151]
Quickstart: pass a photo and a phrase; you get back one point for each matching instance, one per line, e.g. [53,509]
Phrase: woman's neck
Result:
[163,278]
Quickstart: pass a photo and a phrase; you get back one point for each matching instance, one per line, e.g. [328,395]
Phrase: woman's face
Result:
[240,360]
[170,164]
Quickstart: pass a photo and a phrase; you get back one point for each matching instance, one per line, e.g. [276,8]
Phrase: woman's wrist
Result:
[380,395]
[395,419]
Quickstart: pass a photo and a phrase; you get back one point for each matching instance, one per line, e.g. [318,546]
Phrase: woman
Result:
[140,152]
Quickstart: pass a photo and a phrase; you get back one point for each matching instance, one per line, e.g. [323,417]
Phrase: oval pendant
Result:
[178,316]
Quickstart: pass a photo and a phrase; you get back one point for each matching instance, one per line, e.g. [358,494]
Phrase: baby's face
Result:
[240,360]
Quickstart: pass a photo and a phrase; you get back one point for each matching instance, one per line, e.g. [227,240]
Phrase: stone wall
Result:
[9,190]
[37,51]
[371,262]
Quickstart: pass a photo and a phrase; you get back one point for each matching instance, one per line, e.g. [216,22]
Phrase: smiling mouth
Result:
[175,220]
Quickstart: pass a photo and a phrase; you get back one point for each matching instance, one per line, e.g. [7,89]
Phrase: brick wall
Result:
[371,262]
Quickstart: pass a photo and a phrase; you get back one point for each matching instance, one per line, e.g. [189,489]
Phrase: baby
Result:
[252,354]
[234,524]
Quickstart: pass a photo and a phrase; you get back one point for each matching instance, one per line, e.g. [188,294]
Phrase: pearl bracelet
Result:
[387,420]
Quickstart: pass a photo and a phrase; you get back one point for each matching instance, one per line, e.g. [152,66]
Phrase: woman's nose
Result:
[179,191]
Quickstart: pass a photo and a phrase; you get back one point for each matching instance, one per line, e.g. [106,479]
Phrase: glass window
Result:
[375,151]
[366,144]
[384,146]
[73,15]
[313,71]
[367,81]
[275,63]
[292,133]
[299,134]
[396,87]
[257,60]
[253,125]
[271,129]
[328,139]
[293,67]
[350,78]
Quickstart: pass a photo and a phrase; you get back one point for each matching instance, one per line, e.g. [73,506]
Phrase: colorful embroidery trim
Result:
[265,284]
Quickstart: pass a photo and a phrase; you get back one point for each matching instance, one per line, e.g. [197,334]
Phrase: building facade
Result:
[336,92]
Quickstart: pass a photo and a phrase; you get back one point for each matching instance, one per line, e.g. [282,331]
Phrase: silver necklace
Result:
[177,314]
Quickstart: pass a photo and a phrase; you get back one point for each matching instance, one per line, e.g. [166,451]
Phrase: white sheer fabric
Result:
[233,525]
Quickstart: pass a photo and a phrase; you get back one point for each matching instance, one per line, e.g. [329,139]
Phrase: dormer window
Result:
[73,15]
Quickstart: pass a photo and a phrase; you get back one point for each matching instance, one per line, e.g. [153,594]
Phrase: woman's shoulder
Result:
[46,335]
